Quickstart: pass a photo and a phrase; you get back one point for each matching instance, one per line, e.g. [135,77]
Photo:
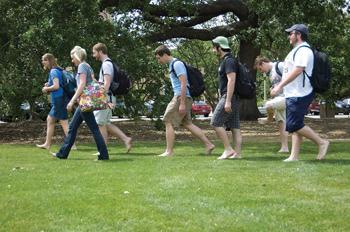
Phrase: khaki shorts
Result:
[103,117]
[172,112]
[278,104]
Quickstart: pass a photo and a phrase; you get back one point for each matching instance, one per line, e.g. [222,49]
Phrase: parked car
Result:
[314,108]
[342,106]
[201,108]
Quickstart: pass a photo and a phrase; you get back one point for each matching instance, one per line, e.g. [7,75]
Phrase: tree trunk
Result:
[326,111]
[247,54]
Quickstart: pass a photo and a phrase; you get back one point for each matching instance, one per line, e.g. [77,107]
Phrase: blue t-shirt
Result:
[55,73]
[180,69]
[84,68]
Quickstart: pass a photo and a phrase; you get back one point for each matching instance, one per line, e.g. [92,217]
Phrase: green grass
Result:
[188,192]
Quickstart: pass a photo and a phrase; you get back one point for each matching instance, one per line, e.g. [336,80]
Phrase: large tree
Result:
[258,25]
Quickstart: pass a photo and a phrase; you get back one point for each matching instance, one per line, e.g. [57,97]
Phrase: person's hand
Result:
[70,106]
[111,105]
[228,107]
[44,89]
[182,109]
[275,91]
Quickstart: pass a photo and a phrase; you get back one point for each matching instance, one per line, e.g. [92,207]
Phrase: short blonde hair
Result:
[79,53]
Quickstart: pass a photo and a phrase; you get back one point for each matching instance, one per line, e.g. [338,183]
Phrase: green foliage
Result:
[32,28]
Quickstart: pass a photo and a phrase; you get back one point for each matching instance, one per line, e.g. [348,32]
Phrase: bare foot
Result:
[290,159]
[128,145]
[209,149]
[322,151]
[283,150]
[236,156]
[226,154]
[166,154]
[43,146]
[74,147]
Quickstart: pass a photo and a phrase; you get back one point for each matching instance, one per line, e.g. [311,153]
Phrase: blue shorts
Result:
[59,108]
[296,109]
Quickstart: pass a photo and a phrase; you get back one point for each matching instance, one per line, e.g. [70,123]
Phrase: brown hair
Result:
[161,50]
[51,58]
[101,47]
[261,59]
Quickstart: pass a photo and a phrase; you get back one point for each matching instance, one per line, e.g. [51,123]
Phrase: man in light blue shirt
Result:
[178,110]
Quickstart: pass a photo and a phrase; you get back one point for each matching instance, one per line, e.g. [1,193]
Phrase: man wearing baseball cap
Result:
[299,92]
[226,113]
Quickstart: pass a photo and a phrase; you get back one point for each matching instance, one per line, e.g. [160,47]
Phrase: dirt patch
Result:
[30,132]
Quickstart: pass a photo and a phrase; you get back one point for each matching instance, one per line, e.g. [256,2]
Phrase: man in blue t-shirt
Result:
[226,114]
[178,110]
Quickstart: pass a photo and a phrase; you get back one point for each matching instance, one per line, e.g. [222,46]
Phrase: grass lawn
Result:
[188,192]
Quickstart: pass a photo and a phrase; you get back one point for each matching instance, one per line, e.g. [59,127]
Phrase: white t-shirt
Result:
[107,68]
[275,78]
[303,58]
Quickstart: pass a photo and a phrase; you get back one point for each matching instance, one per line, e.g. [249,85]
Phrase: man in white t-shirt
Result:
[103,117]
[277,105]
[298,91]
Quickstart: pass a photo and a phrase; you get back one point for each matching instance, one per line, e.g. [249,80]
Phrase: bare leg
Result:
[323,144]
[222,134]
[49,133]
[196,131]
[283,136]
[170,138]
[64,125]
[297,139]
[111,128]
[103,130]
[237,141]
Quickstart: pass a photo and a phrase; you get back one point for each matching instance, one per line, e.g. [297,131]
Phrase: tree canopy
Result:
[132,29]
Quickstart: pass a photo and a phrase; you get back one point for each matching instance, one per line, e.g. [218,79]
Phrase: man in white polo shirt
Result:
[298,91]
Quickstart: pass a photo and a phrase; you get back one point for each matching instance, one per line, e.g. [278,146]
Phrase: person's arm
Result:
[182,107]
[54,87]
[78,92]
[231,80]
[290,77]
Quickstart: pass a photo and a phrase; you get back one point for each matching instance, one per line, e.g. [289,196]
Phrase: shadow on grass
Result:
[134,154]
[330,161]
[263,158]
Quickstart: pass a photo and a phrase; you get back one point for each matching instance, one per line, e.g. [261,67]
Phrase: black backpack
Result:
[121,83]
[69,84]
[195,79]
[278,71]
[320,78]
[245,86]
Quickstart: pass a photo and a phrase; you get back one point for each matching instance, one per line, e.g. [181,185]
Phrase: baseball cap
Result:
[222,41]
[298,27]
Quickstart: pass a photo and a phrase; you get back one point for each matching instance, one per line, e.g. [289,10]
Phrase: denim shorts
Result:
[221,118]
[296,110]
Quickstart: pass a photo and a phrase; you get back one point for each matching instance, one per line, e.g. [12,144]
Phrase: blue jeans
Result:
[76,121]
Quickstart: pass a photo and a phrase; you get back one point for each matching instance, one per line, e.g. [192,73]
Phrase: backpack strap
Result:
[108,92]
[304,73]
[278,71]
[172,70]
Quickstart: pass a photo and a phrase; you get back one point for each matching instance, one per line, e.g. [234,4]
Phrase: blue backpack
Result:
[69,84]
